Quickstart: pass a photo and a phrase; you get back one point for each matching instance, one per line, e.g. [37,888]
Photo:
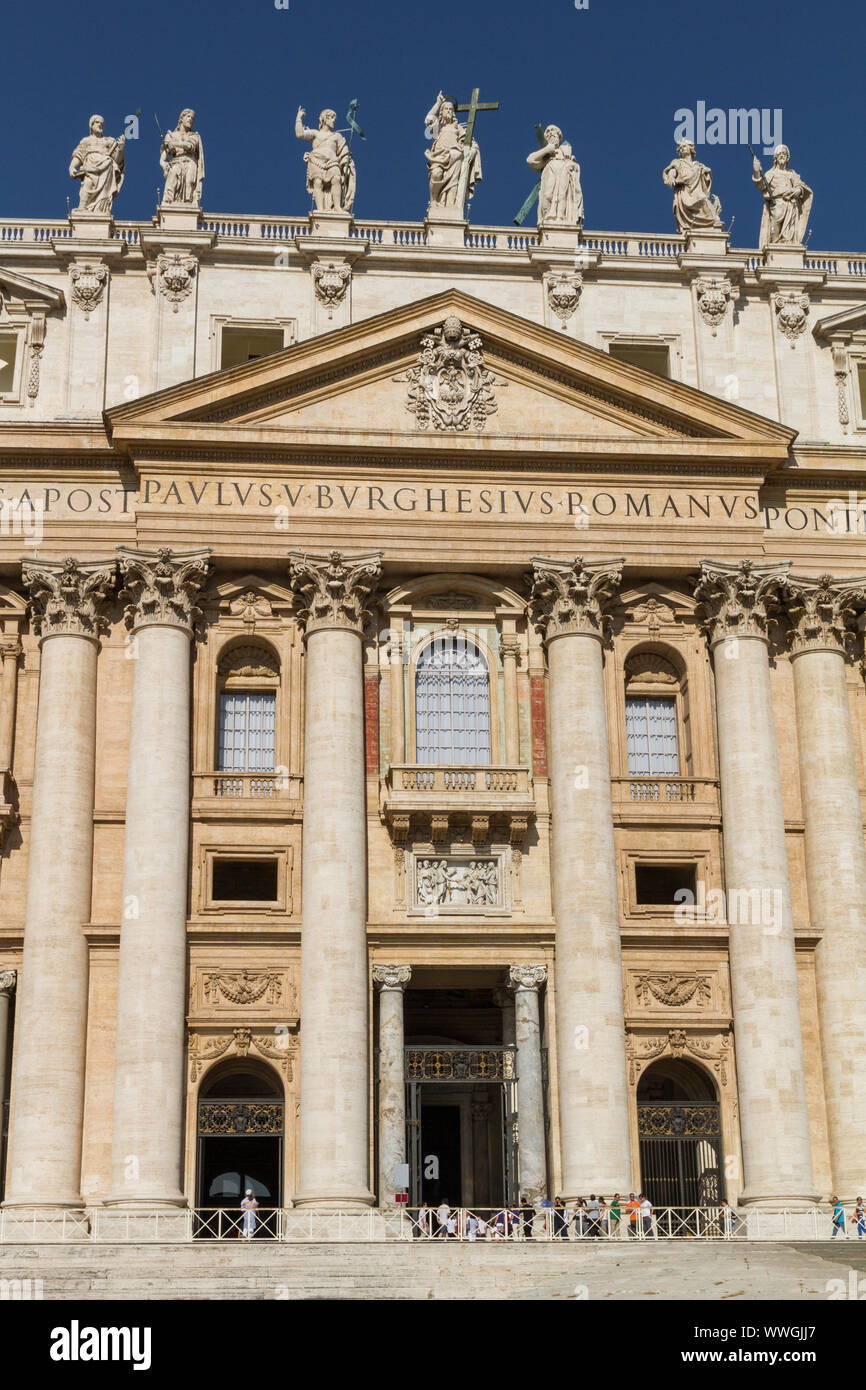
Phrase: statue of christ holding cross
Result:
[454,159]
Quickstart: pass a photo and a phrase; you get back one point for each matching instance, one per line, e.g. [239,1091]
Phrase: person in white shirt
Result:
[249,1205]
[646,1211]
[442,1214]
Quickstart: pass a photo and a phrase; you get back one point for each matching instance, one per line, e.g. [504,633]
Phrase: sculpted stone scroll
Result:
[333,590]
[67,595]
[696,208]
[161,585]
[570,596]
[560,199]
[182,162]
[787,201]
[392,976]
[330,166]
[99,162]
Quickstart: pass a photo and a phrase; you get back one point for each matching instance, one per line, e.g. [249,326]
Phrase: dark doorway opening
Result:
[240,1147]
[441,1178]
[679,1124]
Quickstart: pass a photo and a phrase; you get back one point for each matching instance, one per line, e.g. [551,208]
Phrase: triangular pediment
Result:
[841,325]
[31,293]
[370,385]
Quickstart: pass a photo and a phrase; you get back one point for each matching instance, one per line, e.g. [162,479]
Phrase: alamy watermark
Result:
[737,126]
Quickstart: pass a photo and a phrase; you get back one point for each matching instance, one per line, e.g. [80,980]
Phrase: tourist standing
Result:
[859,1216]
[614,1216]
[646,1212]
[423,1228]
[593,1212]
[443,1212]
[727,1215]
[838,1218]
[560,1219]
[249,1206]
[632,1206]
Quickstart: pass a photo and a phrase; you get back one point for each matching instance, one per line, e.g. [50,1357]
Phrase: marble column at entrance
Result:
[333,591]
[391,981]
[8,979]
[45,1157]
[149,1082]
[821,613]
[567,605]
[526,981]
[737,603]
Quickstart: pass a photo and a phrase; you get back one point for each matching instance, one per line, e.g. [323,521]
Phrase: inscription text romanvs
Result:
[580,506]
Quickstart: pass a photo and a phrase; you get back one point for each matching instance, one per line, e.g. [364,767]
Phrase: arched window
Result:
[651,723]
[249,677]
[452,703]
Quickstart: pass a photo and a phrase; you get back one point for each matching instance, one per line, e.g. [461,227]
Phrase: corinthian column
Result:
[391,980]
[8,980]
[567,605]
[526,981]
[45,1166]
[334,1131]
[737,602]
[821,612]
[161,586]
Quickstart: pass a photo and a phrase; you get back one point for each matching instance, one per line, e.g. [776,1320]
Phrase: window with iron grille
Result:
[452,704]
[651,731]
[247,731]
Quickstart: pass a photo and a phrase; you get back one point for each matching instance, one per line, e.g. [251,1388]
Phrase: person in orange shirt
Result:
[632,1206]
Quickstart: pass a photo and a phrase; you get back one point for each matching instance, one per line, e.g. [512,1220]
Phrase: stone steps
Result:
[424,1271]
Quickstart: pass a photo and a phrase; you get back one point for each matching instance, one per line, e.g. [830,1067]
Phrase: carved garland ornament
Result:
[162,585]
[450,388]
[332,590]
[276,1045]
[65,595]
[674,991]
[242,987]
[677,1042]
[571,597]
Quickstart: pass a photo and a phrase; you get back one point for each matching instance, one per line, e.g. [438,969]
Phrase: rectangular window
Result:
[239,345]
[651,734]
[245,880]
[861,378]
[247,731]
[650,356]
[656,884]
[8,354]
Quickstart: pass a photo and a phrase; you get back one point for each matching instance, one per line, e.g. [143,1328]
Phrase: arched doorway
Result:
[240,1129]
[679,1126]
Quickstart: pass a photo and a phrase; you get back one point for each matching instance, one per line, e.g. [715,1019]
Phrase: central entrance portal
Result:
[461,1097]
[240,1148]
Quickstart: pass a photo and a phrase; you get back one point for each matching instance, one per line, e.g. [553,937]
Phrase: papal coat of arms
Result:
[450,388]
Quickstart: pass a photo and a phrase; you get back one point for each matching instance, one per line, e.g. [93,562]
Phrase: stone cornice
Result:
[392,977]
[570,597]
[66,595]
[822,612]
[332,590]
[738,599]
[161,586]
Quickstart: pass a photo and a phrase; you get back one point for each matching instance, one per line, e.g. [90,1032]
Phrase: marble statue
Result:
[445,157]
[182,162]
[695,207]
[787,201]
[98,161]
[559,198]
[330,166]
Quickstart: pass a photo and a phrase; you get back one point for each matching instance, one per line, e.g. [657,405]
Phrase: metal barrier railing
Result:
[311,1225]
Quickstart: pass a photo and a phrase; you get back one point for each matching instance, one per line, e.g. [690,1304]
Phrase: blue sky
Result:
[612,76]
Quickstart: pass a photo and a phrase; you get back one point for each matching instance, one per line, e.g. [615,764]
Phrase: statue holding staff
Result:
[446,156]
[182,162]
[787,201]
[559,198]
[695,207]
[99,162]
[330,166]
